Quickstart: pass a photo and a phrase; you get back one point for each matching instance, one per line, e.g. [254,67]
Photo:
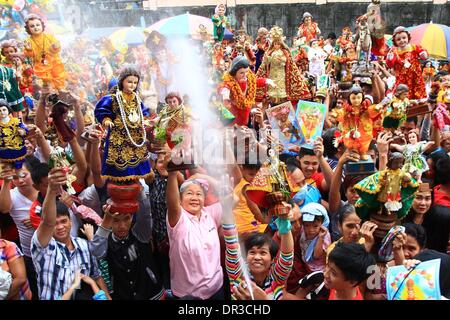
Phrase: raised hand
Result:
[56,179]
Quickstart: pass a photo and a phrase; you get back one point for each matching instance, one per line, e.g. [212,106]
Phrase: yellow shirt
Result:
[245,220]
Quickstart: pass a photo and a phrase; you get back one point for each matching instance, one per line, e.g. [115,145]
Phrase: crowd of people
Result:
[94,205]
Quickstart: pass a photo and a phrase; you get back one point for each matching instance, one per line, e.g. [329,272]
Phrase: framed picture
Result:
[311,119]
[284,122]
[418,283]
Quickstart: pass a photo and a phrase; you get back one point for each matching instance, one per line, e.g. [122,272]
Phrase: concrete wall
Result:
[331,16]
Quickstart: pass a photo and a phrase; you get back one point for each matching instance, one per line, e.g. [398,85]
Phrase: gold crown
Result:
[276,34]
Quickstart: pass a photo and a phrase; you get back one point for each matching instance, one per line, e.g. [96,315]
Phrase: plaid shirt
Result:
[56,265]
[158,205]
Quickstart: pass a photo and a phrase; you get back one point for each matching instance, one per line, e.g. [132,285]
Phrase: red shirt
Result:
[358,295]
[441,198]
[316,181]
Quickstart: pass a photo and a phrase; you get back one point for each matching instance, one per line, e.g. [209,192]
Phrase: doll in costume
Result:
[122,114]
[392,189]
[13,133]
[308,29]
[405,58]
[376,27]
[356,122]
[415,162]
[161,64]
[175,115]
[316,57]
[428,72]
[220,22]
[395,114]
[238,90]
[59,159]
[23,71]
[279,66]
[244,48]
[44,51]
[262,44]
[301,56]
[9,89]
[344,39]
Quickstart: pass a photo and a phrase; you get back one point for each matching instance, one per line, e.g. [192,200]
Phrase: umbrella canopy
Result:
[125,37]
[184,25]
[433,37]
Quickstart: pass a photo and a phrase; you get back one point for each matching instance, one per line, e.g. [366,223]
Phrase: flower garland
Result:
[124,120]
[241,101]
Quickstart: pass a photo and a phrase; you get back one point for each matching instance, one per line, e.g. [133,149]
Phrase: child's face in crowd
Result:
[335,279]
[249,173]
[309,165]
[311,229]
[193,198]
[351,195]
[422,202]
[121,225]
[259,259]
[350,228]
[411,248]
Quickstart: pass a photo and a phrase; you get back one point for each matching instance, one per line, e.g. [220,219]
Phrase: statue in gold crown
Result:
[279,66]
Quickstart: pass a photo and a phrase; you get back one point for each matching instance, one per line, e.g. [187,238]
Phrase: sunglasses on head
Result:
[20,175]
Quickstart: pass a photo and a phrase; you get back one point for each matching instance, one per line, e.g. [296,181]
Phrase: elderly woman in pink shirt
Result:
[193,229]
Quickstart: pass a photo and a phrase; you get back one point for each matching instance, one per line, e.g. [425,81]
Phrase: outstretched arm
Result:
[56,178]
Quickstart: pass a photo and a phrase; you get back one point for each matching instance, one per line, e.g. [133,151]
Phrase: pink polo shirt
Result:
[195,253]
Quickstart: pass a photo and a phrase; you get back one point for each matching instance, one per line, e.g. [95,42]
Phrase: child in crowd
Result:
[346,269]
[314,238]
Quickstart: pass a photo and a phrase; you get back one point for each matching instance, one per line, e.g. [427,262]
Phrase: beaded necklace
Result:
[43,53]
[120,101]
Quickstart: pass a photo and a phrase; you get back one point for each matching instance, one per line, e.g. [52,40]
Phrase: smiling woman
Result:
[195,269]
